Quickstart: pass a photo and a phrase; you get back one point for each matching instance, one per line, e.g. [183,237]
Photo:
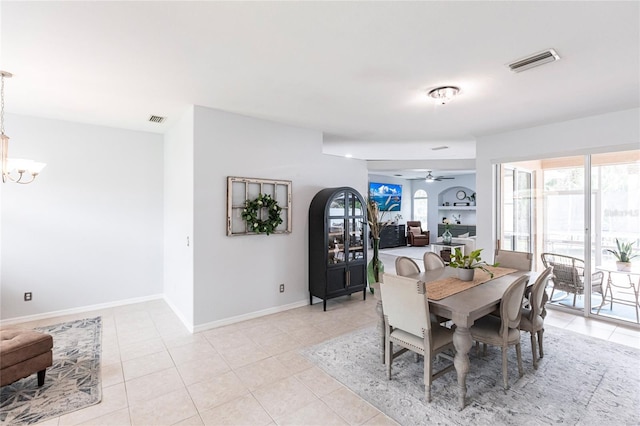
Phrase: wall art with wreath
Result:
[258,206]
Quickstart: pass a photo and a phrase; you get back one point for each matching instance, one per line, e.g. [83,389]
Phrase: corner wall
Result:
[238,276]
[88,231]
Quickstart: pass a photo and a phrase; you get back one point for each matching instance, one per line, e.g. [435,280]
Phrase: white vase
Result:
[623,266]
[466,274]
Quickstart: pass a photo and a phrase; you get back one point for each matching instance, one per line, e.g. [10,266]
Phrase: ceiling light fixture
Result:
[444,94]
[13,164]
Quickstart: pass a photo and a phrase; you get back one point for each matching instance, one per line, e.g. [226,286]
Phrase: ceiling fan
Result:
[432,178]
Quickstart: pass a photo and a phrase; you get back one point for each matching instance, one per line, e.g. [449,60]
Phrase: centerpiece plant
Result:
[468,263]
[376,223]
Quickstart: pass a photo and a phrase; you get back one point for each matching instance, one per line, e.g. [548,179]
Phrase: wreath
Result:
[252,213]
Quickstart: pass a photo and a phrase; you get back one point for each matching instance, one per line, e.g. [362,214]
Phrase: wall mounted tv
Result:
[387,195]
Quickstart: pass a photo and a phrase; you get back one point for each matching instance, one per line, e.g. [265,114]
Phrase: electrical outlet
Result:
[27,297]
[281,288]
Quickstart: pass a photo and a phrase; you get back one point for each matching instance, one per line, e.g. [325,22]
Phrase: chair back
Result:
[520,260]
[414,224]
[567,271]
[511,303]
[404,304]
[536,299]
[405,266]
[432,261]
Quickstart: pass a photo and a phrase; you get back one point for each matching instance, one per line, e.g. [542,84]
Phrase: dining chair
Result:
[405,266]
[514,259]
[407,324]
[503,330]
[432,261]
[532,319]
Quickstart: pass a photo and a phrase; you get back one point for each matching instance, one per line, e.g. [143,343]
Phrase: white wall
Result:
[239,275]
[616,131]
[178,217]
[89,230]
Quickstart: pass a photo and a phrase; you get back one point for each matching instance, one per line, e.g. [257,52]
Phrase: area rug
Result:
[580,381]
[71,383]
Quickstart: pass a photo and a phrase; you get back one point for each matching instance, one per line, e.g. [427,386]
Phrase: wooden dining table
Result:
[463,309]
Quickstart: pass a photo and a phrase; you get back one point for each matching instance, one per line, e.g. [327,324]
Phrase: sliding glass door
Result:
[543,210]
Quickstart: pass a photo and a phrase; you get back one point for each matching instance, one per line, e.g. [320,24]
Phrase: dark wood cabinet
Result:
[393,236]
[337,252]
[456,230]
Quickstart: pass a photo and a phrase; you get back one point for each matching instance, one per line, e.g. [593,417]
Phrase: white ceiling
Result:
[358,71]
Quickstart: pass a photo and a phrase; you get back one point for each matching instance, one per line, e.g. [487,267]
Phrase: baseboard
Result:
[78,310]
[251,315]
[187,324]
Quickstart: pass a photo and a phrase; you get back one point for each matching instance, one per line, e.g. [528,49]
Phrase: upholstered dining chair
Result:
[432,261]
[568,275]
[514,259]
[503,330]
[407,324]
[405,266]
[532,319]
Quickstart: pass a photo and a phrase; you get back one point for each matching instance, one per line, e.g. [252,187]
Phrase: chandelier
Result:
[13,169]
[444,94]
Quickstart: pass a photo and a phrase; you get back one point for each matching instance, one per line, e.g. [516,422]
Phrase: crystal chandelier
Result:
[13,169]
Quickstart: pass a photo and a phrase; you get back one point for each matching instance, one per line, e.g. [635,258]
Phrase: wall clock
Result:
[461,195]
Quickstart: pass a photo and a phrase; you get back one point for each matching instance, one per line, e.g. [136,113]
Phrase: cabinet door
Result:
[336,279]
[336,230]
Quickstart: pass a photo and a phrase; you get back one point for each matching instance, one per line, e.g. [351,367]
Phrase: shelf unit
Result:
[337,256]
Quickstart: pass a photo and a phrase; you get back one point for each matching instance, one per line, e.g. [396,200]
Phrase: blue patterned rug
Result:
[71,383]
[580,381]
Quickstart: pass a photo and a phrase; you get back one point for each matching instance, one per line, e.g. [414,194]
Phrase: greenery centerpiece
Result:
[376,223]
[624,254]
[468,263]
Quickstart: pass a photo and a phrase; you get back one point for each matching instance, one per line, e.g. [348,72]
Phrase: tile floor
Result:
[154,372]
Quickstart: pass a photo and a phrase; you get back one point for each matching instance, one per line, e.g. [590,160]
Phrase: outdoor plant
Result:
[623,254]
[469,261]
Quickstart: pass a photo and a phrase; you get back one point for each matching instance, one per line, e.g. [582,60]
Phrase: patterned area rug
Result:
[71,383]
[580,381]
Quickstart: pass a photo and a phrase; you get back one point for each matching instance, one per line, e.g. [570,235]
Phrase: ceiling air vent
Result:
[534,60]
[156,119]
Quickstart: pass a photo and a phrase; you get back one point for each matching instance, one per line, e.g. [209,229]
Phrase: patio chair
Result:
[568,275]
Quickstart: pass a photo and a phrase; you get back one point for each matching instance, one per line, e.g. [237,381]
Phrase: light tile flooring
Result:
[250,373]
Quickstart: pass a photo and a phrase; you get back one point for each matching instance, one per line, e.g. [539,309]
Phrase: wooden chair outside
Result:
[503,331]
[432,261]
[405,266]
[568,275]
[532,319]
[407,324]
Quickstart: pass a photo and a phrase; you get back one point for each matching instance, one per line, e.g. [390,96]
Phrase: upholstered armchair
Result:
[415,235]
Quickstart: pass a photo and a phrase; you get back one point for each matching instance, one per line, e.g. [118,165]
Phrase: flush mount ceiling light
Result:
[534,60]
[444,94]
[10,165]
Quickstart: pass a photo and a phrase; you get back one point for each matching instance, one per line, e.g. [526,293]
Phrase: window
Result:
[420,206]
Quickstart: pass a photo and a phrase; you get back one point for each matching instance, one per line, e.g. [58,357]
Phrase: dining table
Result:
[463,302]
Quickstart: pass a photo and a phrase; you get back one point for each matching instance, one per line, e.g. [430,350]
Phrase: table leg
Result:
[462,342]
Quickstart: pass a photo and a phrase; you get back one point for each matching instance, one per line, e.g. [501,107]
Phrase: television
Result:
[387,195]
